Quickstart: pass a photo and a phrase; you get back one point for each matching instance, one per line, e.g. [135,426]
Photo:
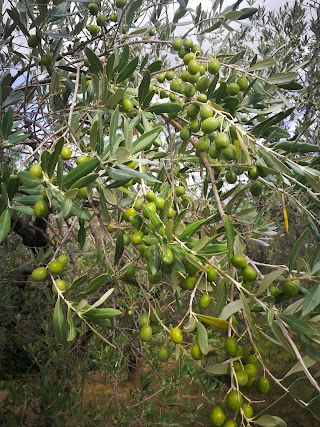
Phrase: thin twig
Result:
[297,353]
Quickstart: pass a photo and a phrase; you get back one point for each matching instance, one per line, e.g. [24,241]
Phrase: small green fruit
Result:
[93,29]
[40,209]
[222,140]
[36,170]
[39,273]
[46,59]
[33,41]
[256,188]
[101,20]
[121,3]
[93,8]
[81,159]
[127,105]
[66,153]
[214,66]
[196,352]
[61,285]
[55,267]
[177,43]
[231,177]
[113,17]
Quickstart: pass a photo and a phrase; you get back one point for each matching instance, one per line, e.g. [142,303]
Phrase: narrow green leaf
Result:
[55,78]
[310,349]
[72,329]
[311,299]
[26,210]
[298,325]
[214,27]
[272,161]
[79,282]
[154,259]
[280,78]
[296,147]
[165,107]
[95,284]
[262,65]
[101,313]
[268,279]
[217,369]
[119,248]
[132,173]
[193,227]
[13,98]
[110,66]
[144,87]
[84,181]
[13,185]
[155,66]
[113,129]
[247,313]
[145,140]
[7,123]
[4,195]
[275,328]
[65,209]
[301,389]
[80,171]
[5,224]
[95,66]
[214,249]
[212,86]
[231,308]
[94,134]
[45,157]
[109,196]
[233,15]
[128,70]
[296,248]
[115,98]
[14,15]
[59,323]
[155,220]
[80,213]
[248,12]
[314,407]
[202,335]
[29,180]
[17,137]
[308,362]
[221,91]
[60,173]
[230,236]
[54,157]
[221,301]
[270,421]
[314,260]
[313,180]
[265,124]
[290,86]
[81,236]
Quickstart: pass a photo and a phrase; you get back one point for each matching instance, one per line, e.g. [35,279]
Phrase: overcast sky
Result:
[270,5]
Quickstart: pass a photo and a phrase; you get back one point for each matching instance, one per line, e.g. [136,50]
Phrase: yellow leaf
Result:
[213,321]
[285,214]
